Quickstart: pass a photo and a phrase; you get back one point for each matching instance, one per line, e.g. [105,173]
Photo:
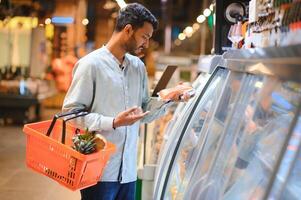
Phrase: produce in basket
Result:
[100,141]
[88,142]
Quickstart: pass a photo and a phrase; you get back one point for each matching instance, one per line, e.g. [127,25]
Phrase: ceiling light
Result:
[207,12]
[182,36]
[47,21]
[85,21]
[196,26]
[201,19]
[188,30]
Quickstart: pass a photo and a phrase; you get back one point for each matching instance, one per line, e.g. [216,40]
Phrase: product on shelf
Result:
[268,23]
[277,23]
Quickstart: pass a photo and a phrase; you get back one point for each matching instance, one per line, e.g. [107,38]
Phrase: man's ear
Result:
[128,30]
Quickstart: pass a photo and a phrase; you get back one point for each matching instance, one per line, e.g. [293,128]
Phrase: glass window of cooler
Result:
[166,147]
[187,150]
[254,153]
[178,125]
[287,182]
[182,108]
[207,178]
[211,139]
[181,114]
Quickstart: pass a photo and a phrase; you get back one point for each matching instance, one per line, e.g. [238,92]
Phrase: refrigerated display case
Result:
[175,133]
[206,66]
[158,132]
[236,141]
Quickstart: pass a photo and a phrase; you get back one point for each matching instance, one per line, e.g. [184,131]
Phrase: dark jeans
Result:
[110,191]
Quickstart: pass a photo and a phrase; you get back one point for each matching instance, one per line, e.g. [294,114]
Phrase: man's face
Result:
[139,40]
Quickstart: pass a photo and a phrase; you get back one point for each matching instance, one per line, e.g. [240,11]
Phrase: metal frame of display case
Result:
[283,63]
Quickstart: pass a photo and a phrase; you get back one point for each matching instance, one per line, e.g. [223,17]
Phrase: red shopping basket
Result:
[45,154]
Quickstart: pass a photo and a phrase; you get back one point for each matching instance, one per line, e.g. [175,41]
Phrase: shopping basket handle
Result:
[75,111]
[59,115]
[69,118]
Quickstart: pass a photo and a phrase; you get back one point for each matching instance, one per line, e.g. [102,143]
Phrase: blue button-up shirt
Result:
[116,90]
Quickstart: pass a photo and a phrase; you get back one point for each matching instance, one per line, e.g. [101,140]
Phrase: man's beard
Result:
[131,46]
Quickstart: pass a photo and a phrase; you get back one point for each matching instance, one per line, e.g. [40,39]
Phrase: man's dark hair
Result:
[135,14]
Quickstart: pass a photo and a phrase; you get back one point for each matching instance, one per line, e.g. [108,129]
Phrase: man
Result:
[113,84]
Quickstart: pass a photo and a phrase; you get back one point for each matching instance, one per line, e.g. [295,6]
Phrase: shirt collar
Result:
[125,60]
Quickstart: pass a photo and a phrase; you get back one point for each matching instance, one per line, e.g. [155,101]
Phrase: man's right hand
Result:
[129,117]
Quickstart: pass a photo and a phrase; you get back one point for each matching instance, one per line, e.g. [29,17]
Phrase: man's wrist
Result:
[113,124]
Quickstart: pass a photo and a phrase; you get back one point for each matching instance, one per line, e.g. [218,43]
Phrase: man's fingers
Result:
[145,113]
[139,116]
[130,110]
[186,96]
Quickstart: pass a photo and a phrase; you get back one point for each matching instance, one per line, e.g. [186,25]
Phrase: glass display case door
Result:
[205,106]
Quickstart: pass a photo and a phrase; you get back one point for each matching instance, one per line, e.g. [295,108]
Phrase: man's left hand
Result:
[179,93]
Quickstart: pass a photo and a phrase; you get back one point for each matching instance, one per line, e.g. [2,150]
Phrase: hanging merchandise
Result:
[15,39]
[235,35]
[257,24]
[20,39]
[274,23]
[5,54]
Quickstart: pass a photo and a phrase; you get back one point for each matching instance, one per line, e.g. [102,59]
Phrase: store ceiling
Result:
[177,13]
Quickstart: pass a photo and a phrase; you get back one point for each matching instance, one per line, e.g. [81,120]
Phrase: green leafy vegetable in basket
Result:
[84,143]
[88,142]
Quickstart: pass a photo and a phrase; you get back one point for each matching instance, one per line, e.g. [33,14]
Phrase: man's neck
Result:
[115,47]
